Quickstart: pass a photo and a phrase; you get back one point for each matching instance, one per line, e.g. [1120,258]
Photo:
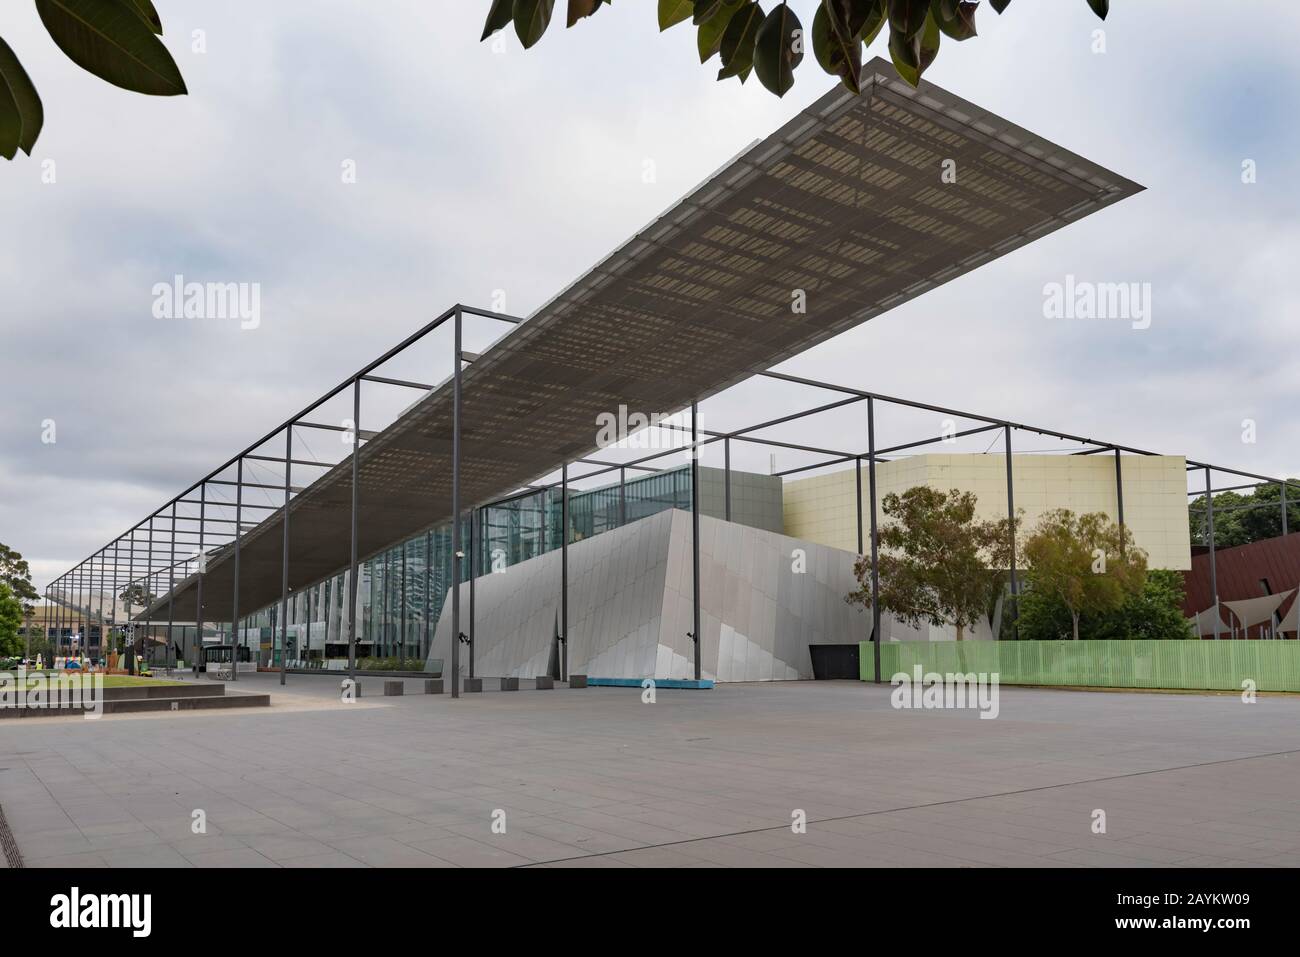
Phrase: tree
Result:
[1042,616]
[11,619]
[137,596]
[938,563]
[1241,519]
[1154,613]
[1087,561]
[15,573]
[117,40]
[745,39]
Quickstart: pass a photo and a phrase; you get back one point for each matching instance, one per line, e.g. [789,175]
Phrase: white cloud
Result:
[517,170]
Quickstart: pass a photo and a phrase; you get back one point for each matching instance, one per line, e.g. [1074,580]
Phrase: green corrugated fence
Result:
[1191,665]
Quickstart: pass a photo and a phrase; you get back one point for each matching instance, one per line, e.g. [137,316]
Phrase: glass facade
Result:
[400,592]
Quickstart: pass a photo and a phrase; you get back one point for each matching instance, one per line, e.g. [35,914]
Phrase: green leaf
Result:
[111,41]
[146,11]
[779,49]
[11,124]
[498,17]
[532,17]
[908,16]
[673,12]
[956,19]
[875,21]
[906,55]
[848,18]
[1100,7]
[837,56]
[999,5]
[706,10]
[578,9]
[709,37]
[19,105]
[737,50]
[930,37]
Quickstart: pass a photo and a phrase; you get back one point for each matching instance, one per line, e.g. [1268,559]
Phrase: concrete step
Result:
[188,703]
[136,705]
[165,691]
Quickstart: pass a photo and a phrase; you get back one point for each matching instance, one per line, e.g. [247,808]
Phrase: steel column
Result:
[564,572]
[148,598]
[455,511]
[113,593]
[234,607]
[81,614]
[857,480]
[695,535]
[284,558]
[875,539]
[726,476]
[82,628]
[1119,497]
[198,586]
[1010,515]
[352,569]
[311,615]
[474,543]
[103,587]
[428,582]
[130,625]
[90,595]
[1209,521]
[171,598]
[1282,487]
[95,596]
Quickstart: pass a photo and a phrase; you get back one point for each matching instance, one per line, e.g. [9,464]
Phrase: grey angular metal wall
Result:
[765,598]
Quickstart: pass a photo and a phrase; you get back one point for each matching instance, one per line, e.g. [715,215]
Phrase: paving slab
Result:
[700,778]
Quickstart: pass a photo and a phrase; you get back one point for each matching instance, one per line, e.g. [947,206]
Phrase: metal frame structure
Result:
[86,587]
[69,590]
[842,204]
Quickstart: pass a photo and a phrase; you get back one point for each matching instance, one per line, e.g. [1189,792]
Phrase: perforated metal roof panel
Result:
[844,202]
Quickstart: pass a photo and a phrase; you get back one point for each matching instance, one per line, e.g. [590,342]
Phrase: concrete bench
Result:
[394,688]
[433,686]
[544,682]
[509,684]
[577,681]
[473,684]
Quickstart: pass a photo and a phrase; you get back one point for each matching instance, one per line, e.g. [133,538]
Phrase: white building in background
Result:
[823,508]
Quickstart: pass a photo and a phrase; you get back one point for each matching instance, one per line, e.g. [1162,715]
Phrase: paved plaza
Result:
[596,778]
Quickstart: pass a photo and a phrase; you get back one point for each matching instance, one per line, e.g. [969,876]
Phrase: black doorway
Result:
[835,661]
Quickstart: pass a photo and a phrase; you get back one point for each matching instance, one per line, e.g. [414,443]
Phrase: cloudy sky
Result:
[482,169]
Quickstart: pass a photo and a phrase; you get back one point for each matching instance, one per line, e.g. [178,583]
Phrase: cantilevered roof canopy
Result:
[845,202]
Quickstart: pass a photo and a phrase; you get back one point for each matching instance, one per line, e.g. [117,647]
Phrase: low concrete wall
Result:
[166,691]
[134,705]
